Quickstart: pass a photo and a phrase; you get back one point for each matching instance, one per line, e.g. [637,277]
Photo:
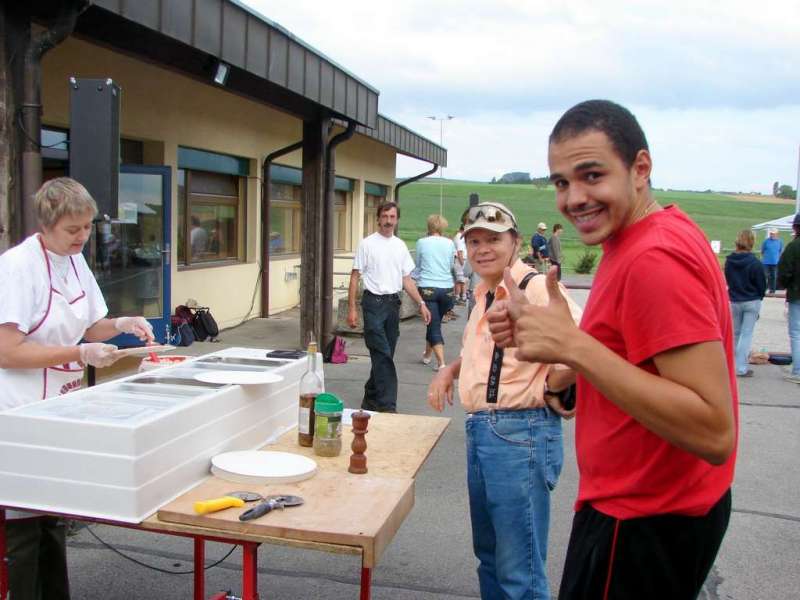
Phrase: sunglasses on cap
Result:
[489,213]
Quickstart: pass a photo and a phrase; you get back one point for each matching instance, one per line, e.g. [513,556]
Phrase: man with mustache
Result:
[385,263]
[656,421]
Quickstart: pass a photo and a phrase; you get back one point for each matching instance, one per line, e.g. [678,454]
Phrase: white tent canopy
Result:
[782,224]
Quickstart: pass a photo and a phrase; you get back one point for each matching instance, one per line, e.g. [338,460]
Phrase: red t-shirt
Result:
[659,286]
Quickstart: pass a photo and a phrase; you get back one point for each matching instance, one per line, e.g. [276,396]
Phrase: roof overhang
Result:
[266,62]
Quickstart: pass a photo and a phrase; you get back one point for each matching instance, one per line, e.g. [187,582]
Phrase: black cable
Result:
[30,139]
[154,568]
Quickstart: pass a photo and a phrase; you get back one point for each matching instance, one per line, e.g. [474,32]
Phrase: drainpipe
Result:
[265,222]
[30,116]
[327,234]
[411,180]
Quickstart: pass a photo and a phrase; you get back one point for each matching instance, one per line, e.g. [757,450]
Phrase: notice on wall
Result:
[716,246]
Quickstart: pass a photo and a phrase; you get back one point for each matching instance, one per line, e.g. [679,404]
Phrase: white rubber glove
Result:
[98,354]
[138,326]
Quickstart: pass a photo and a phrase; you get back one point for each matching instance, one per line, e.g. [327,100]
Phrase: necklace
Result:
[647,210]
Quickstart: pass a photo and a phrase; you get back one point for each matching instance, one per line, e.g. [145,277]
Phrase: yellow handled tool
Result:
[232,500]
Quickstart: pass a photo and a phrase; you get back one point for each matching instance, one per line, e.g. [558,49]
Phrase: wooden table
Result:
[342,513]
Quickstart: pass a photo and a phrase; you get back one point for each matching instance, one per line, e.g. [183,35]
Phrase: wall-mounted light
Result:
[221,74]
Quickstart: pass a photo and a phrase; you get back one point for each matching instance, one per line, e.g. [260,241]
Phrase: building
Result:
[209,90]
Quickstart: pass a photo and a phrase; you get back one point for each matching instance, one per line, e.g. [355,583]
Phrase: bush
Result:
[586,262]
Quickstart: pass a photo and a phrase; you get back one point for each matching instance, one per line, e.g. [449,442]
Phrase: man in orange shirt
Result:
[514,444]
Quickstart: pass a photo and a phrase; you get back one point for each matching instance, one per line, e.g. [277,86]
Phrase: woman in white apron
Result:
[52,324]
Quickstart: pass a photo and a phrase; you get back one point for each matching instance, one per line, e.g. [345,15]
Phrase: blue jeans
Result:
[771,272]
[514,458]
[381,330]
[745,315]
[794,335]
[438,301]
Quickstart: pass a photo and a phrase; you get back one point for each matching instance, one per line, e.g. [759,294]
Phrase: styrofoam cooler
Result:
[122,449]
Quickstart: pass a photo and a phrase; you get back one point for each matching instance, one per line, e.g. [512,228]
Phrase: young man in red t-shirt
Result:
[657,403]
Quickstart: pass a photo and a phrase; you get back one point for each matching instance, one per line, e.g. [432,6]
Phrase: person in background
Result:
[52,324]
[746,286]
[539,248]
[657,407]
[514,441]
[789,278]
[771,249]
[385,263]
[554,248]
[198,238]
[458,264]
[434,260]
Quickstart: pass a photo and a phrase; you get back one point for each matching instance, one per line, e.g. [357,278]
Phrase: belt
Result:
[395,295]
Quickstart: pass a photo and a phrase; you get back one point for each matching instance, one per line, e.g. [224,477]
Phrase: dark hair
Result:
[557,226]
[388,206]
[616,121]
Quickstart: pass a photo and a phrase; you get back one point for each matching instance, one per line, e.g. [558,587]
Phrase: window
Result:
[374,196]
[211,216]
[286,211]
[341,221]
[285,218]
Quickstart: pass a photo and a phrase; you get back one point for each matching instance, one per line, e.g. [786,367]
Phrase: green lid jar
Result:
[328,425]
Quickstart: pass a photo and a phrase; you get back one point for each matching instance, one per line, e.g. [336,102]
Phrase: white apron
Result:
[64,323]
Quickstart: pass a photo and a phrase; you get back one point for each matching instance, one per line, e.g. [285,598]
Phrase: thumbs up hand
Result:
[503,314]
[545,333]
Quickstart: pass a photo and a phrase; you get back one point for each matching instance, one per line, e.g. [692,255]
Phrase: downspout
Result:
[30,116]
[327,234]
[411,180]
[265,221]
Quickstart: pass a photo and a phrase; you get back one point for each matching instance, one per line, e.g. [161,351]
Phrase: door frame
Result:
[162,323]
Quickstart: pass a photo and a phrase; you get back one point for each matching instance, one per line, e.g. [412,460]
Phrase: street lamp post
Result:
[441,169]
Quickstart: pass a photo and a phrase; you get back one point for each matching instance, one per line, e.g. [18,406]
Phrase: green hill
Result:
[720,216]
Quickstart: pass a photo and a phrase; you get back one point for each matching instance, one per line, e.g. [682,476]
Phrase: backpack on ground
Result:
[205,326]
[181,332]
[335,351]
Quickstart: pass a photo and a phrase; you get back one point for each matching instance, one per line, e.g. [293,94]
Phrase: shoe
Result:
[426,360]
[439,367]
[792,378]
[748,373]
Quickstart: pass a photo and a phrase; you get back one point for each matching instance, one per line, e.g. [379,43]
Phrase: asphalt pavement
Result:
[431,555]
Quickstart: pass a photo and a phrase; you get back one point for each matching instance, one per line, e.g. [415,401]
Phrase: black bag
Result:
[207,322]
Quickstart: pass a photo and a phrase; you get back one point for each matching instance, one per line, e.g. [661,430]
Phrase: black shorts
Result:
[665,556]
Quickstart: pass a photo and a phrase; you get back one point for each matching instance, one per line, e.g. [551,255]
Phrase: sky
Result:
[714,84]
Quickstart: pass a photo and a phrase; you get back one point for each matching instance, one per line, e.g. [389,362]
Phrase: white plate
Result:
[262,467]
[238,377]
[144,350]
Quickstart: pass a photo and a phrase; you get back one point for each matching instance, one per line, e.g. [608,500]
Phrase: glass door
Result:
[132,260]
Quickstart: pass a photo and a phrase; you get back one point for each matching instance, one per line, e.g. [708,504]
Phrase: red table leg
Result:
[366,583]
[250,571]
[3,558]
[199,568]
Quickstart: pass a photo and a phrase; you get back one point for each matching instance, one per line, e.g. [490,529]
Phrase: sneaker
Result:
[439,367]
[748,373]
[793,378]
[426,360]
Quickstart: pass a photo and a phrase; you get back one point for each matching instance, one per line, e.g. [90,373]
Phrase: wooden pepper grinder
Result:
[358,461]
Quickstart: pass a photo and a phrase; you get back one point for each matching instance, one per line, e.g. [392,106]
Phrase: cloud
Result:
[714,82]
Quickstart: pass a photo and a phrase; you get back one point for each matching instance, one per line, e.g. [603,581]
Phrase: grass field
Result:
[720,216]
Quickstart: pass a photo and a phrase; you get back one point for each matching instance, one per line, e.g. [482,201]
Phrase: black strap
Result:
[493,385]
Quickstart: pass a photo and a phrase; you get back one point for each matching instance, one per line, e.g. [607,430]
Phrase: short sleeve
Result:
[97,303]
[667,302]
[360,259]
[408,262]
[23,296]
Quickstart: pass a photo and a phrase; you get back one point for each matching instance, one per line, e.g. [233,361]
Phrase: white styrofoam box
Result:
[122,449]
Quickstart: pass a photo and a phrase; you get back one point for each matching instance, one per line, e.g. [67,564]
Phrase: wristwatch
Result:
[565,396]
